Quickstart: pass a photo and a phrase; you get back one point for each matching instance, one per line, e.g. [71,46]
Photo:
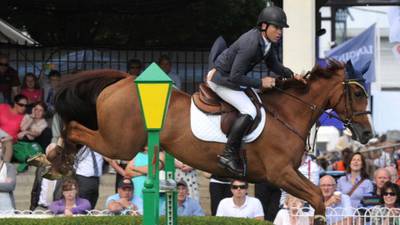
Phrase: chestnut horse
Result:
[101,110]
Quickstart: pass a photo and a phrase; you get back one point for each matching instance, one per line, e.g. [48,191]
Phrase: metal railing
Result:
[189,65]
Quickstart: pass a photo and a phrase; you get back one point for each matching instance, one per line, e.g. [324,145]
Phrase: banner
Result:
[359,50]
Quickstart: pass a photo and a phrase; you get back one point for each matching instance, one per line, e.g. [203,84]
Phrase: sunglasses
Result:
[242,187]
[21,104]
[135,67]
[389,193]
[3,64]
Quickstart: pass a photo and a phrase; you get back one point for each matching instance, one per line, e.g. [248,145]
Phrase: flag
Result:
[359,50]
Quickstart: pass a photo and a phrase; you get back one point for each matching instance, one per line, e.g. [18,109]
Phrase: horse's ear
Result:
[349,69]
[365,68]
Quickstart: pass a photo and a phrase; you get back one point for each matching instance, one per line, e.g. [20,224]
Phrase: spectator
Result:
[70,204]
[119,167]
[137,170]
[165,63]
[7,184]
[240,205]
[355,183]
[269,196]
[10,121]
[341,165]
[338,205]
[381,176]
[134,67]
[220,188]
[394,177]
[187,206]
[89,168]
[292,213]
[189,175]
[49,85]
[388,212]
[9,81]
[32,125]
[31,89]
[44,191]
[125,202]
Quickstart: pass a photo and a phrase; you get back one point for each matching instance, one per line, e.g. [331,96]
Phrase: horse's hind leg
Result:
[78,133]
[299,186]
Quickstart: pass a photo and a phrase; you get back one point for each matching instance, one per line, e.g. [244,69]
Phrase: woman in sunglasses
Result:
[388,213]
[10,120]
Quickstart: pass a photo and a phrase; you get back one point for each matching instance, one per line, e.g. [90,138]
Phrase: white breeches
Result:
[237,99]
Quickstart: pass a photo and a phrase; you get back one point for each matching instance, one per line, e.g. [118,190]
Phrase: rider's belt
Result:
[211,74]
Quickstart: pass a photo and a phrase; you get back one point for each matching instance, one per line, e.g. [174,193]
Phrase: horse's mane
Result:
[317,72]
[76,96]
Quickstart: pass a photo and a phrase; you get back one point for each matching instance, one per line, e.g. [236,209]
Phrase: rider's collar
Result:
[267,44]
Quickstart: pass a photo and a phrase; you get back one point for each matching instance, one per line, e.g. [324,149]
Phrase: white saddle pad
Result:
[208,127]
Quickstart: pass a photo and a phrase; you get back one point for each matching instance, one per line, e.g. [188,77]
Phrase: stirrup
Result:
[230,170]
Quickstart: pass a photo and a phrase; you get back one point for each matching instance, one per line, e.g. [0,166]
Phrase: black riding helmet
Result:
[272,15]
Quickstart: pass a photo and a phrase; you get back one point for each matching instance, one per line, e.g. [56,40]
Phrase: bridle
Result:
[348,102]
[349,111]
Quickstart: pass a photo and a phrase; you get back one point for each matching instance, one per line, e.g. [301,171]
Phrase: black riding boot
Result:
[230,158]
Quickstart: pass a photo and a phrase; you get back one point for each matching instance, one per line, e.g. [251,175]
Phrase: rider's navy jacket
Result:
[240,58]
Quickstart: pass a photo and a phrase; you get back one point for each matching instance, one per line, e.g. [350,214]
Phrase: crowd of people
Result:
[29,128]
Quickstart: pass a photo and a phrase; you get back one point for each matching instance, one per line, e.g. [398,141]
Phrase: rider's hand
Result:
[300,77]
[268,82]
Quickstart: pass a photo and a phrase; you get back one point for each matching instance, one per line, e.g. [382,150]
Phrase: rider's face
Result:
[273,33]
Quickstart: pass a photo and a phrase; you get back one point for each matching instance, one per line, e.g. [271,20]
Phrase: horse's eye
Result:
[358,94]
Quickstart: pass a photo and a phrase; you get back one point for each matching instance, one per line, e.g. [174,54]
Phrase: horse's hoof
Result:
[39,160]
[319,220]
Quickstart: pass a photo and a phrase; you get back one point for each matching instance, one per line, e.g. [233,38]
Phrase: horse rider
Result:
[228,79]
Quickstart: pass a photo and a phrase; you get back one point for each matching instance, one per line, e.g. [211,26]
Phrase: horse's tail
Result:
[76,97]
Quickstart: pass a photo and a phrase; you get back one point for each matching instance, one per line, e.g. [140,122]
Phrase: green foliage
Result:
[128,220]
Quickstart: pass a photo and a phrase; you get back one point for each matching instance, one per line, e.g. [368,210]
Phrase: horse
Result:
[100,109]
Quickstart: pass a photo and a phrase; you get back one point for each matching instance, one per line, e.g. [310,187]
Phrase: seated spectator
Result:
[125,202]
[31,89]
[394,176]
[388,212]
[7,184]
[70,204]
[32,126]
[189,175]
[187,206]
[381,176]
[134,67]
[240,205]
[338,205]
[164,62]
[10,121]
[355,183]
[137,170]
[9,81]
[292,213]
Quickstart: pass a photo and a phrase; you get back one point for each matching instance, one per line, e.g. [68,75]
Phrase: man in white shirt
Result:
[240,205]
[89,168]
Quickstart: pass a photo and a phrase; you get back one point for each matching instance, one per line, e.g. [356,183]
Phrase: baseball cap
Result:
[181,182]
[125,183]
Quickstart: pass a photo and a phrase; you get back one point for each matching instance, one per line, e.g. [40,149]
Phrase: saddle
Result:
[207,101]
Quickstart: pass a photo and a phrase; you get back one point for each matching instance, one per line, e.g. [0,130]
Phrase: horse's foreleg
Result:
[299,186]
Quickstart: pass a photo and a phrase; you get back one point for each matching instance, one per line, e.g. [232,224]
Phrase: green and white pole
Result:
[154,90]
